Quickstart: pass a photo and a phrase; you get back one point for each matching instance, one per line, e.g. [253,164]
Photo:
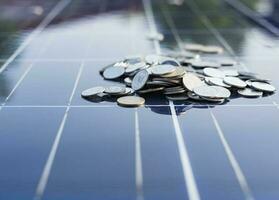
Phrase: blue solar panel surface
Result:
[54,145]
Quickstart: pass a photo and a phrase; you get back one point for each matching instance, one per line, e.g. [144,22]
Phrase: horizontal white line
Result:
[114,105]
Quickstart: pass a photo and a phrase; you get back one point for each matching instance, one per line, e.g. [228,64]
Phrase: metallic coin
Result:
[213,92]
[231,72]
[113,72]
[178,73]
[131,60]
[129,91]
[199,64]
[92,91]
[177,97]
[115,90]
[121,64]
[162,69]
[213,73]
[193,96]
[128,81]
[135,67]
[248,92]
[265,87]
[140,80]
[169,61]
[152,59]
[104,68]
[250,81]
[235,82]
[159,83]
[174,91]
[175,88]
[216,81]
[219,101]
[151,90]
[190,81]
[130,101]
[212,49]
[194,47]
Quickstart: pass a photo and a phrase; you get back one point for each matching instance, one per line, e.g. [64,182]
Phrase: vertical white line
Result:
[54,12]
[216,33]
[151,22]
[189,178]
[76,83]
[18,83]
[49,163]
[235,165]
[138,159]
[191,186]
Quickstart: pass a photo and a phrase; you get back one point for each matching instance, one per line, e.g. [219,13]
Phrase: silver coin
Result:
[193,96]
[121,64]
[128,81]
[131,60]
[174,92]
[135,67]
[194,47]
[213,73]
[115,90]
[162,69]
[191,81]
[140,80]
[265,87]
[198,64]
[130,101]
[179,72]
[216,81]
[212,49]
[214,92]
[219,101]
[92,91]
[235,82]
[113,72]
[101,71]
[248,92]
[169,61]
[151,90]
[205,64]
[231,72]
[174,88]
[152,59]
[158,83]
[177,97]
[129,91]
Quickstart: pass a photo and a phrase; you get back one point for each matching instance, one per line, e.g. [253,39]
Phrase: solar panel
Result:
[56,145]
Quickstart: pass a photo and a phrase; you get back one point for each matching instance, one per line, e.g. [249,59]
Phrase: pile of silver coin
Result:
[179,76]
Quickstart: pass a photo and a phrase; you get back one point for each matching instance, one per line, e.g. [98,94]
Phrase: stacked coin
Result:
[178,76]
